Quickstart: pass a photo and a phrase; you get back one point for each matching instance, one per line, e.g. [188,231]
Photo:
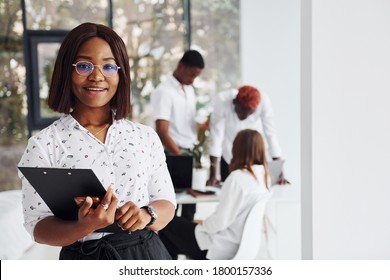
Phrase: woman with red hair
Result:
[234,111]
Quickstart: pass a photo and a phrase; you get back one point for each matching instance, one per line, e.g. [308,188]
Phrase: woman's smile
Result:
[96,90]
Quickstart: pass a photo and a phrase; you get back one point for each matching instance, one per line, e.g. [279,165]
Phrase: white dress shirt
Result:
[225,124]
[221,233]
[132,160]
[170,102]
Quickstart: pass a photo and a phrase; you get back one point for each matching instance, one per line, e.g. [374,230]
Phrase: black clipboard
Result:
[59,186]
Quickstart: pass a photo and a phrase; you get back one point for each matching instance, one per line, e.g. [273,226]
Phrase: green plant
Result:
[199,149]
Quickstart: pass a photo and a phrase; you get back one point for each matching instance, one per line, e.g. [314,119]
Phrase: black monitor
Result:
[180,168]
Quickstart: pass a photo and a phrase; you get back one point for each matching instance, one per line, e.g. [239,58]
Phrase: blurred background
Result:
[156,33]
[325,65]
[255,42]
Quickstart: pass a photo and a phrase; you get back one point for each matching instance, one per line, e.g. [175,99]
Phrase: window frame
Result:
[34,38]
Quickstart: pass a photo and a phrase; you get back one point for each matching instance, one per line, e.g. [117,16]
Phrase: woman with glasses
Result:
[91,87]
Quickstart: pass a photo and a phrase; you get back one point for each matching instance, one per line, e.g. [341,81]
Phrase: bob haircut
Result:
[61,98]
[249,149]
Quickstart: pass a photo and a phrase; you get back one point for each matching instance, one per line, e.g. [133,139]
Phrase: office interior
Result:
[325,66]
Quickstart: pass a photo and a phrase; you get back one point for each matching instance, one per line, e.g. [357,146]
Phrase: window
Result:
[12,93]
[64,14]
[156,33]
[41,56]
[215,26]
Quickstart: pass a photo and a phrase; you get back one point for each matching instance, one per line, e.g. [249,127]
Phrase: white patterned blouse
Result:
[132,159]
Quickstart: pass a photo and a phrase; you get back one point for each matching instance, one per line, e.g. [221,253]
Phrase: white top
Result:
[221,233]
[225,124]
[171,103]
[132,159]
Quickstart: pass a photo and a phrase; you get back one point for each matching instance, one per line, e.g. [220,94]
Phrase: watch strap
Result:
[152,214]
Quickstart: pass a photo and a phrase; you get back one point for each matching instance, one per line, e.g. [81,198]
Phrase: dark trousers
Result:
[179,238]
[139,245]
[224,170]
[188,211]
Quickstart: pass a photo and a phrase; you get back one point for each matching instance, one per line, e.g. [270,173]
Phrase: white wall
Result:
[350,129]
[345,154]
[270,60]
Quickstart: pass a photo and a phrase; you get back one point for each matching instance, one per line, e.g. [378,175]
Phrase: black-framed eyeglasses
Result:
[85,68]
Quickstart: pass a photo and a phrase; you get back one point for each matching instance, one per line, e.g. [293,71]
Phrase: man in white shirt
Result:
[174,110]
[234,111]
[174,105]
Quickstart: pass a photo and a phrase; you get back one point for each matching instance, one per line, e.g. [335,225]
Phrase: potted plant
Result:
[199,174]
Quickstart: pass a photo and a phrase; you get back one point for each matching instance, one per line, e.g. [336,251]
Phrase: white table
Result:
[186,198]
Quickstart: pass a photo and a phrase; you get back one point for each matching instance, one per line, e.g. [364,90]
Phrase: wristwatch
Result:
[152,213]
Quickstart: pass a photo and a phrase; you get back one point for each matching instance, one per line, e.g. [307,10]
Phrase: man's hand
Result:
[212,182]
[282,180]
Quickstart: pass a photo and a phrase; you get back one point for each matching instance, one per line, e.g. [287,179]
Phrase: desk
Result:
[206,204]
[186,198]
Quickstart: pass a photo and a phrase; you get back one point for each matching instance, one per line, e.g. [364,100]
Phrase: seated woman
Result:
[219,236]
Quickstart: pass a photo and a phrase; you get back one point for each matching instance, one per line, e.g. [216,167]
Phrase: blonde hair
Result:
[249,149]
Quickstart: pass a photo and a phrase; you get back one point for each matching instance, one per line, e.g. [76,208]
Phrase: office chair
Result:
[253,232]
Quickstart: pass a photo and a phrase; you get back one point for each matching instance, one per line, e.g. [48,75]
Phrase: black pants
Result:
[224,170]
[179,238]
[139,245]
[188,211]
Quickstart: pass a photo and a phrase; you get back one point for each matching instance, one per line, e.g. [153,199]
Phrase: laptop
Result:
[275,168]
[180,169]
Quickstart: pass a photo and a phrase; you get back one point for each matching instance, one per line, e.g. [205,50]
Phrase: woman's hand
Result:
[101,216]
[131,217]
[198,222]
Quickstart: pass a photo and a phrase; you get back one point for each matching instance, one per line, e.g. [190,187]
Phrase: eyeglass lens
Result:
[85,68]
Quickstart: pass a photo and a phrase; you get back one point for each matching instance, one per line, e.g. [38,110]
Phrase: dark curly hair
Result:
[249,97]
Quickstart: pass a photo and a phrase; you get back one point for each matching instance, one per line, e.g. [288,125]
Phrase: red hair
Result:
[249,97]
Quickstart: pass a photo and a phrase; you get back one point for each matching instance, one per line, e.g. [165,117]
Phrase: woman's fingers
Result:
[109,202]
[129,217]
[85,207]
